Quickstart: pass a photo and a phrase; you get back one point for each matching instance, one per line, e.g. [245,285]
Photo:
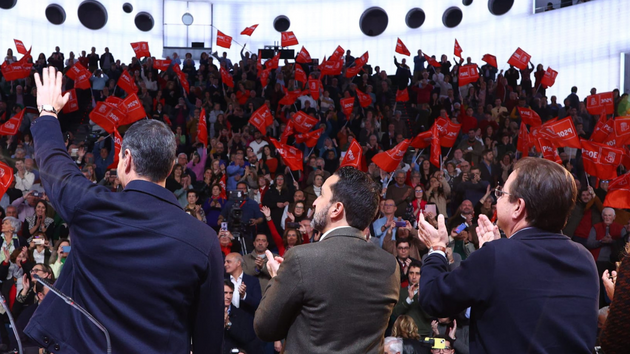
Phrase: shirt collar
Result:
[329,231]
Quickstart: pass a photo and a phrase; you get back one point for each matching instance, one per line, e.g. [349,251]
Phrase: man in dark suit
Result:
[239,326]
[408,303]
[246,286]
[335,295]
[150,273]
[544,283]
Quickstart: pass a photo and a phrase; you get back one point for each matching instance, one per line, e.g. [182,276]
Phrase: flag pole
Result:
[587,177]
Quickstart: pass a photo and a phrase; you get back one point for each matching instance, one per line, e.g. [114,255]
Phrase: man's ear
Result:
[127,161]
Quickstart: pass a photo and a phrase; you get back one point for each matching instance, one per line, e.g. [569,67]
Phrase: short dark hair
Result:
[400,240]
[228,283]
[152,146]
[359,195]
[548,190]
[415,264]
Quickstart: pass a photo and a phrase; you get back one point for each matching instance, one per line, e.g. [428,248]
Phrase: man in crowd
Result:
[246,286]
[400,193]
[381,225]
[254,263]
[408,302]
[238,329]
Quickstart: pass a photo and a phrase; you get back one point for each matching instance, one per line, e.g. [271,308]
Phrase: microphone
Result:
[71,302]
[15,332]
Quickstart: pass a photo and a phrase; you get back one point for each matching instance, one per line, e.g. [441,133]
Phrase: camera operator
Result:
[243,214]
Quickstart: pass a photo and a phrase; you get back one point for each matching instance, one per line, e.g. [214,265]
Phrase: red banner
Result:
[133,108]
[80,75]
[310,138]
[601,101]
[11,126]
[622,130]
[549,151]
[422,140]
[226,78]
[523,144]
[347,104]
[248,31]
[436,151]
[274,62]
[490,59]
[288,131]
[401,48]
[107,117]
[362,60]
[332,66]
[304,56]
[73,103]
[126,83]
[565,133]
[314,85]
[16,71]
[618,195]
[183,80]
[261,119]
[113,101]
[402,96]
[601,160]
[458,50]
[364,99]
[300,75]
[141,49]
[519,59]
[161,64]
[202,128]
[468,74]
[353,71]
[290,97]
[354,157]
[447,132]
[549,78]
[6,178]
[288,39]
[603,129]
[303,123]
[529,116]
[223,40]
[291,156]
[338,53]
[21,48]
[264,77]
[389,160]
[434,63]
[117,147]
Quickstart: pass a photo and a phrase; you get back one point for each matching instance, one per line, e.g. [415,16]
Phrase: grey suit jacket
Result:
[333,296]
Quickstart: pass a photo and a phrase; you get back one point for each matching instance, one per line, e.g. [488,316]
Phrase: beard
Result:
[319,221]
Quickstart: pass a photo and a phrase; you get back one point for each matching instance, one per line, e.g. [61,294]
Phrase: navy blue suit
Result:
[142,266]
[536,292]
[254,294]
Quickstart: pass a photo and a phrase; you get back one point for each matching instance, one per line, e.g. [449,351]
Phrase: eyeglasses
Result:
[390,205]
[443,350]
[419,191]
[402,248]
[499,192]
[36,270]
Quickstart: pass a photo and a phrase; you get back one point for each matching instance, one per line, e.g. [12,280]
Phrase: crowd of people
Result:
[240,186]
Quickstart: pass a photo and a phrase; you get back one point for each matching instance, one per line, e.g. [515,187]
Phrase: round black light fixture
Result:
[55,14]
[144,21]
[452,17]
[467,2]
[281,23]
[127,7]
[500,7]
[92,14]
[415,18]
[7,4]
[373,21]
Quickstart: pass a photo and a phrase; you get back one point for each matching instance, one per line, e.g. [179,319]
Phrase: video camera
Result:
[235,217]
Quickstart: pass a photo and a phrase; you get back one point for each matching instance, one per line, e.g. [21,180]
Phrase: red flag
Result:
[529,116]
[490,59]
[11,126]
[248,31]
[447,132]
[117,147]
[565,132]
[73,103]
[223,40]
[141,49]
[549,151]
[402,96]
[264,77]
[603,128]
[468,74]
[362,60]
[16,71]
[291,156]
[300,75]
[288,39]
[80,75]
[134,109]
[161,64]
[202,128]
[6,178]
[550,77]
[401,48]
[601,160]
[523,142]
[347,104]
[107,117]
[304,56]
[223,184]
[436,151]
[75,71]
[422,140]
[520,59]
[261,119]
[314,85]
[183,80]
[618,195]
[338,53]
[389,160]
[274,62]
[354,157]
[290,98]
[310,138]
[458,50]
[622,130]
[288,131]
[332,66]
[364,99]
[434,63]
[126,83]
[353,71]
[113,101]
[303,123]
[226,78]
[21,48]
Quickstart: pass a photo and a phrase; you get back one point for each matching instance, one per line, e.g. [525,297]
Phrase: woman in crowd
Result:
[38,222]
[419,201]
[39,248]
[174,181]
[290,238]
[213,206]
[59,256]
[270,160]
[404,327]
[277,198]
[439,193]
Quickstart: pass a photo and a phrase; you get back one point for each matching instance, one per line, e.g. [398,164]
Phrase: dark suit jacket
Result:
[332,296]
[151,274]
[536,292]
[241,334]
[253,291]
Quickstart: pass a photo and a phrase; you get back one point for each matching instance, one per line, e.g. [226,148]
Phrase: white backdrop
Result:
[583,43]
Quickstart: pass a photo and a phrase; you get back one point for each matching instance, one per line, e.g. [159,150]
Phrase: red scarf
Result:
[600,233]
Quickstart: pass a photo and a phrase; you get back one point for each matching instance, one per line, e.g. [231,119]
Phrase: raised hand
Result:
[430,235]
[266,212]
[486,230]
[49,89]
[273,263]
[609,283]
[451,332]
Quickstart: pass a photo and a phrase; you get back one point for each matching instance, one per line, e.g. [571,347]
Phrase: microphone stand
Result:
[71,302]
[15,332]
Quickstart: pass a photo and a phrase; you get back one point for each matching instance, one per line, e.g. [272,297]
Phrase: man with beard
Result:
[320,288]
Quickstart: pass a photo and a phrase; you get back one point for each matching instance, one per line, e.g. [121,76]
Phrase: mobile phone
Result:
[438,343]
[262,256]
[461,227]
[113,173]
[38,241]
[401,223]
[66,249]
[224,226]
[36,194]
[430,208]
[74,152]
